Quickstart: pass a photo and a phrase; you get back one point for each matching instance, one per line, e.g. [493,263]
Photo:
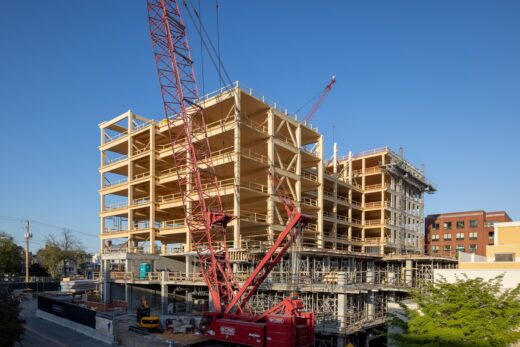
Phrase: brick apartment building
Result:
[470,232]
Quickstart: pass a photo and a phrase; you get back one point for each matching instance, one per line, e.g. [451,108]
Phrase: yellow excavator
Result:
[144,319]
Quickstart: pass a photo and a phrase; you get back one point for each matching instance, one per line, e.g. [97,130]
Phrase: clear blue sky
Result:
[440,78]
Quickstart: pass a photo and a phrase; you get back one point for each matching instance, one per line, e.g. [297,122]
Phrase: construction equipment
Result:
[232,319]
[320,100]
[145,321]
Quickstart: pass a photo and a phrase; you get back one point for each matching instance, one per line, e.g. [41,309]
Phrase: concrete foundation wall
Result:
[82,329]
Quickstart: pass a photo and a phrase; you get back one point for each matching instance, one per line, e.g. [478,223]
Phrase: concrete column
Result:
[371,305]
[370,272]
[106,285]
[128,288]
[164,293]
[342,312]
[408,273]
[189,266]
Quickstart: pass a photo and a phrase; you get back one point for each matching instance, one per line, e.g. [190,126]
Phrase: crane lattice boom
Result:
[191,150]
[320,100]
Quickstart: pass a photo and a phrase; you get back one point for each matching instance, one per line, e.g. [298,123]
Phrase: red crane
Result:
[232,319]
[320,100]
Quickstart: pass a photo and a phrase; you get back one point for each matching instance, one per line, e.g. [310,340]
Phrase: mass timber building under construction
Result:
[364,247]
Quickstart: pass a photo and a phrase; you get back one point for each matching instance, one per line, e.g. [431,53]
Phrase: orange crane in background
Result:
[320,100]
[232,319]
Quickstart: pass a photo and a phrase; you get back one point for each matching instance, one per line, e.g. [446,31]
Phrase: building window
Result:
[491,235]
[435,226]
[447,248]
[447,236]
[460,224]
[436,237]
[447,225]
[504,256]
[472,248]
[473,236]
[490,224]
[460,248]
[435,249]
[473,223]
[460,236]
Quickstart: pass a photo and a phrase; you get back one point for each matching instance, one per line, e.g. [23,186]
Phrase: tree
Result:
[469,312]
[37,270]
[11,326]
[59,253]
[10,255]
[51,257]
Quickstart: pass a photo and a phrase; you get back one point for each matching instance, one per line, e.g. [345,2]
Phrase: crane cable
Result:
[207,42]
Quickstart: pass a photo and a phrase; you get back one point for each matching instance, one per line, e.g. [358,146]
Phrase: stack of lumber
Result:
[77,286]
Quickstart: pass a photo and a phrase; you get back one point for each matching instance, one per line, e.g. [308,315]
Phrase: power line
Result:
[33,221]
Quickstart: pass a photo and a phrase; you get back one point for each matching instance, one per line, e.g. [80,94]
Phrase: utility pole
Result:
[27,237]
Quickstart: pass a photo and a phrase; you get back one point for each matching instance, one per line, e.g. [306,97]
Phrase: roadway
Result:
[42,333]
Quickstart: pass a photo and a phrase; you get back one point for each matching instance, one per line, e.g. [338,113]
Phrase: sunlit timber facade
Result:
[368,221]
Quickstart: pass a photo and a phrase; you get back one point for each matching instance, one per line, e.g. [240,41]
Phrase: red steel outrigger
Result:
[232,319]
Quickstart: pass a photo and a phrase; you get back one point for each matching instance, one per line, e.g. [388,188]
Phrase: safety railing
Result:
[328,193]
[254,186]
[172,224]
[115,229]
[143,125]
[116,205]
[254,125]
[309,201]
[370,152]
[310,176]
[109,138]
[376,204]
[141,150]
[341,218]
[375,221]
[376,186]
[178,276]
[355,221]
[141,201]
[115,183]
[169,198]
[175,249]
[311,151]
[253,216]
[111,161]
[285,139]
[254,155]
[142,175]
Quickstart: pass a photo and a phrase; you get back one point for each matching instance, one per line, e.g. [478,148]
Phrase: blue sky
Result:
[439,78]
